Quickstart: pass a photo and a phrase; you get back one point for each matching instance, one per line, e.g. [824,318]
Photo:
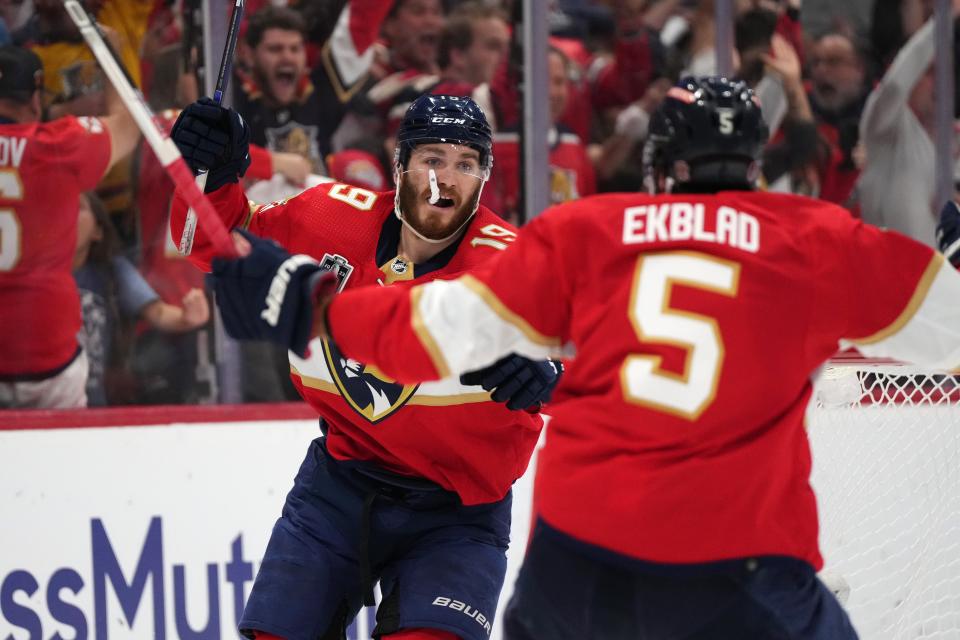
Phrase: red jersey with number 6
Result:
[43,169]
[698,321]
[452,434]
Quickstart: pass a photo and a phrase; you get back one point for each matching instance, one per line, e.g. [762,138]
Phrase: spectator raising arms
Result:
[46,168]
[897,187]
[289,107]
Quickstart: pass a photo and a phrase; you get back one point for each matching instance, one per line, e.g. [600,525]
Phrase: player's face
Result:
[437,209]
[414,32]
[491,38]
[836,72]
[558,85]
[279,61]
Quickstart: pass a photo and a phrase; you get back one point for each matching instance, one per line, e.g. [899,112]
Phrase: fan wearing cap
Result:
[411,484]
[44,167]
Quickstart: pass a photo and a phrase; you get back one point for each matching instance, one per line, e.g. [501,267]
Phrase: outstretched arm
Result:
[515,303]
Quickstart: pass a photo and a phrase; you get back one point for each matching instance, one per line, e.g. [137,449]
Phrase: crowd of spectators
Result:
[847,92]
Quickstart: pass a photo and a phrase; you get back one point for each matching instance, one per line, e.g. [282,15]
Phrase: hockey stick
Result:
[164,148]
[223,77]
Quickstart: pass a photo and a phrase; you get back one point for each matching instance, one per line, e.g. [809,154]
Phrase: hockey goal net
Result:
[886,470]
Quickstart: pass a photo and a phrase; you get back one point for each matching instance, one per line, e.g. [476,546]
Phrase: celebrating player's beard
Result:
[428,221]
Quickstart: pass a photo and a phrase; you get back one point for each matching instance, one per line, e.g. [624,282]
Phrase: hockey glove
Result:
[948,232]
[520,382]
[215,139]
[270,294]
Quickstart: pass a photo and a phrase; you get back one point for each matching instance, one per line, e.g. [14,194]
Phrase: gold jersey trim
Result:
[919,295]
[428,401]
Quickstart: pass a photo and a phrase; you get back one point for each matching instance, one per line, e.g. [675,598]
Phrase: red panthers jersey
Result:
[452,434]
[697,322]
[43,169]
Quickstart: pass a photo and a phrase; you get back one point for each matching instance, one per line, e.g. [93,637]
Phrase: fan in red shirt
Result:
[571,173]
[673,491]
[44,167]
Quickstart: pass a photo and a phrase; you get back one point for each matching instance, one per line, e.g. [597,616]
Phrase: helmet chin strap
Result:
[435,195]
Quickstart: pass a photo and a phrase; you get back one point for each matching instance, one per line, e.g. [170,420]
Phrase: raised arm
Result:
[123,130]
[347,56]
[890,97]
[214,139]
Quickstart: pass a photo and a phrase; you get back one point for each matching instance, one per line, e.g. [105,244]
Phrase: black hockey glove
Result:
[948,232]
[520,382]
[270,294]
[215,139]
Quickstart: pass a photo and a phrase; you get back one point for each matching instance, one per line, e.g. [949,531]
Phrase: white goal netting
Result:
[886,470]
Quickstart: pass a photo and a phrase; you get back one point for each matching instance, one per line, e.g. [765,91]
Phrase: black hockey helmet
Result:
[443,118]
[706,135]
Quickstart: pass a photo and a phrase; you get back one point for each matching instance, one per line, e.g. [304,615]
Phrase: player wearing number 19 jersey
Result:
[44,166]
[673,491]
[411,483]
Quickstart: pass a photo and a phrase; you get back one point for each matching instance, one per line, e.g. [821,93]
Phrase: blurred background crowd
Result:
[847,90]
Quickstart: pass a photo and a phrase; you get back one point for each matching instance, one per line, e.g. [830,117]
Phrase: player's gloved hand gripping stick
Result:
[215,142]
[164,148]
[202,170]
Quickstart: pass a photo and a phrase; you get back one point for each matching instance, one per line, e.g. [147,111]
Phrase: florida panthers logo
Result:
[365,388]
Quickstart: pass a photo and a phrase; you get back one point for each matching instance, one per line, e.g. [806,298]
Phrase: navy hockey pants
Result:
[569,590]
[440,564]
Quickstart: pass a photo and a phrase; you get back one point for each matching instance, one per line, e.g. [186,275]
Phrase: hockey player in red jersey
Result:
[411,485]
[44,167]
[673,492]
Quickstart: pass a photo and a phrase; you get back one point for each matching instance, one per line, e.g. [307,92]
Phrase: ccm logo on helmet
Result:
[442,120]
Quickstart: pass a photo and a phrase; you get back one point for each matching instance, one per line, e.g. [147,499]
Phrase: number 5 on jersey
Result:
[686,395]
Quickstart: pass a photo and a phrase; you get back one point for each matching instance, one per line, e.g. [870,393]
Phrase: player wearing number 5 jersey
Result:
[673,491]
[411,484]
[44,167]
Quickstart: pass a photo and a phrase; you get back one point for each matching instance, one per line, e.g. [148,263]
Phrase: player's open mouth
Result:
[443,203]
[286,76]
